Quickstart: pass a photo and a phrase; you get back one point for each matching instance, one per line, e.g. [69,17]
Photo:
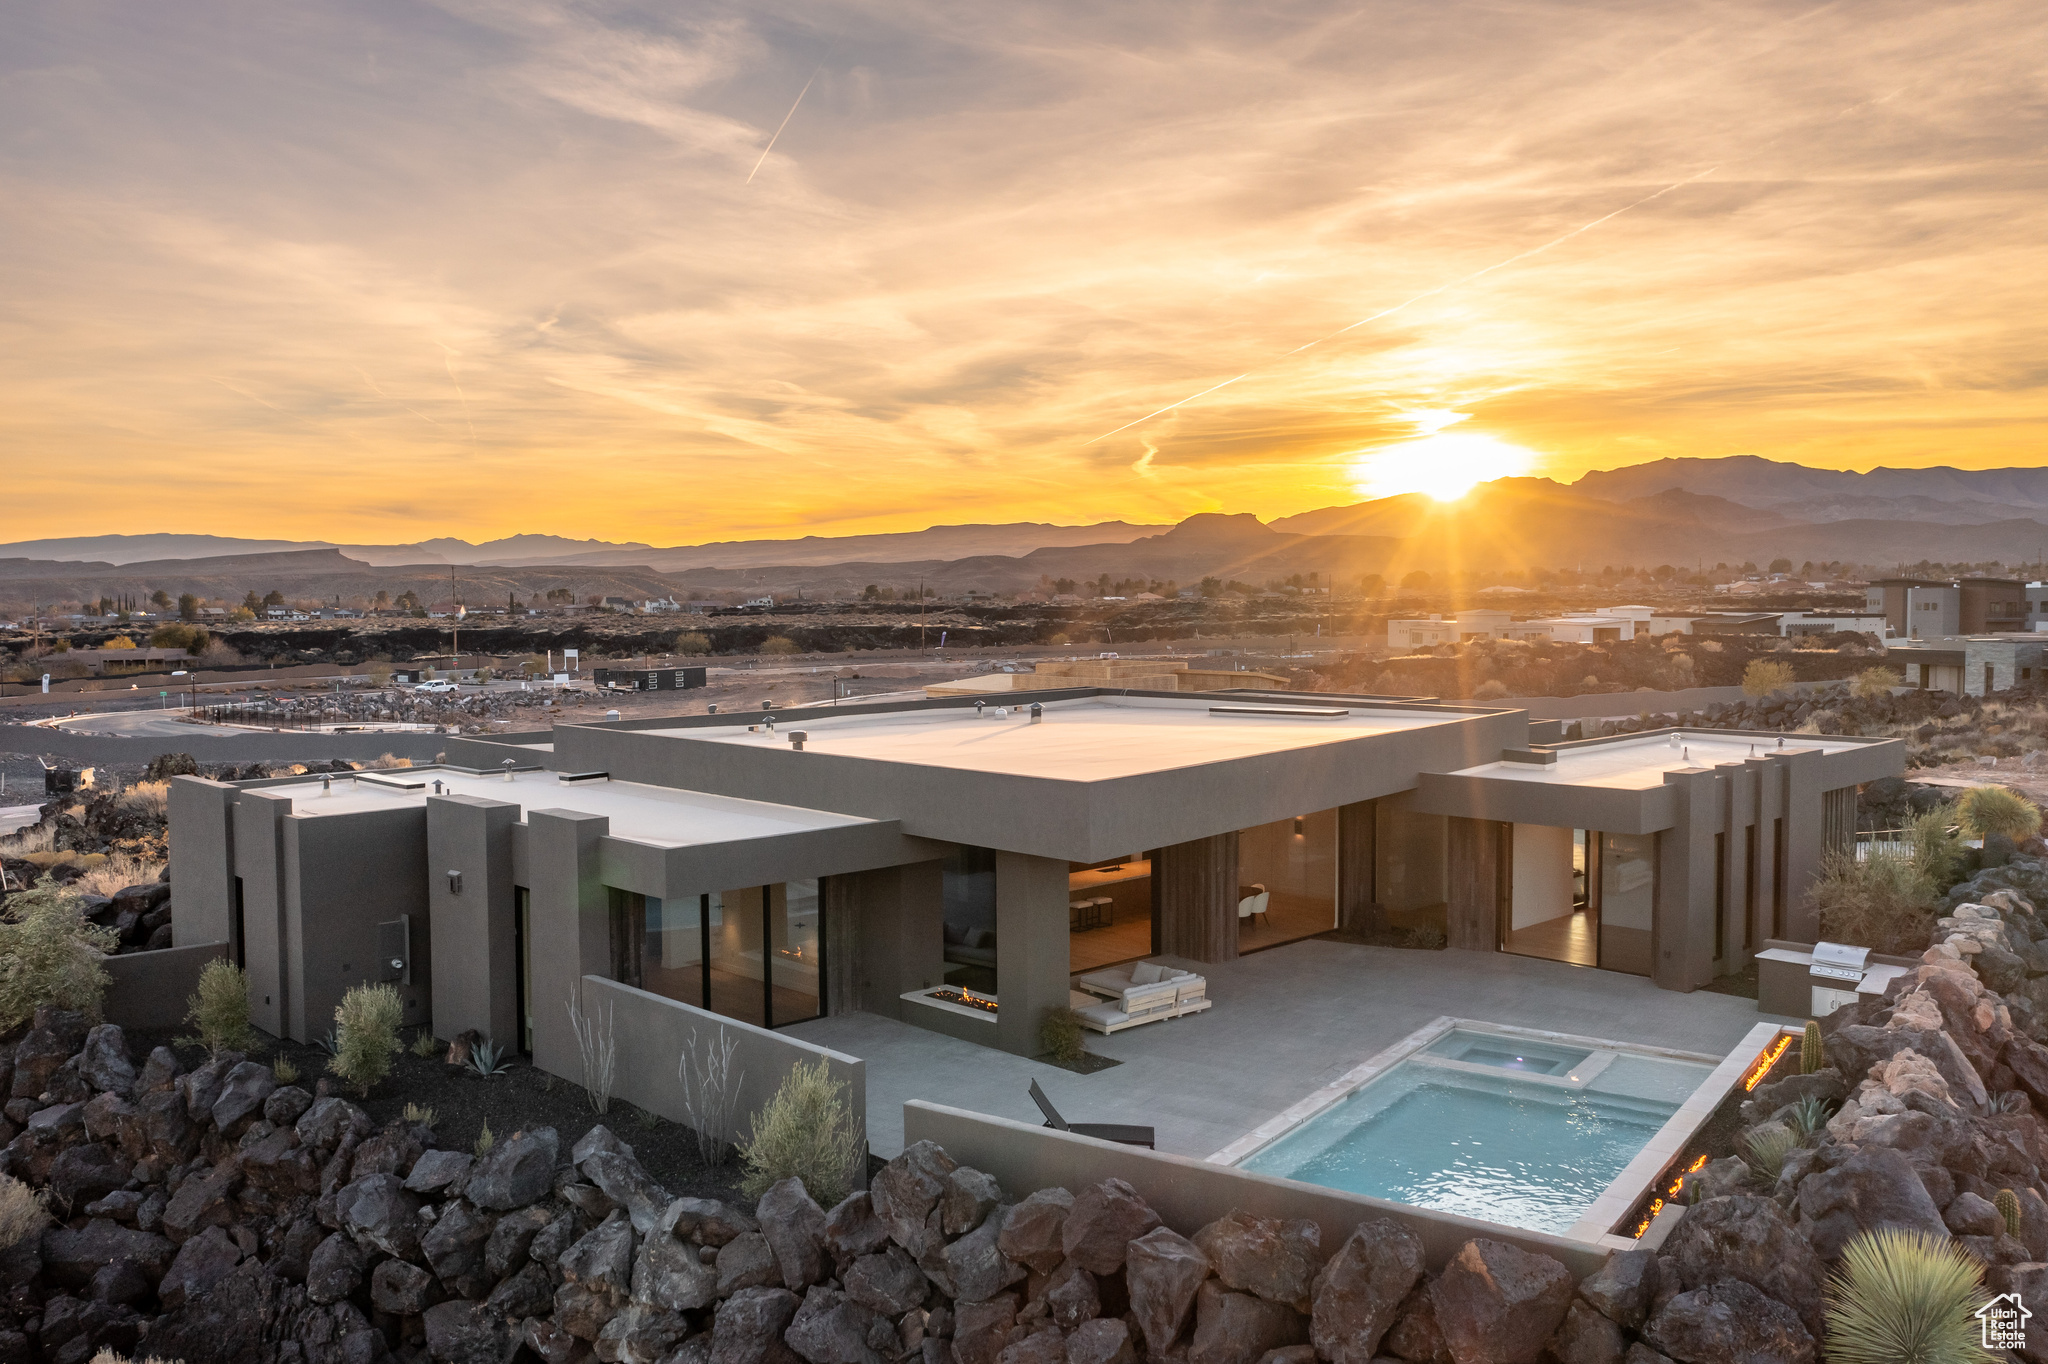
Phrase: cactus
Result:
[2008,1205]
[1812,1055]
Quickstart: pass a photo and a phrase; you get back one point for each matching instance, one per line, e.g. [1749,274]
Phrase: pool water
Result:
[1526,1134]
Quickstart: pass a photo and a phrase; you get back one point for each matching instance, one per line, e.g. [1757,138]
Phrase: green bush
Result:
[1987,810]
[50,954]
[693,644]
[1061,1037]
[366,1034]
[808,1130]
[220,1008]
[1936,847]
[1905,1297]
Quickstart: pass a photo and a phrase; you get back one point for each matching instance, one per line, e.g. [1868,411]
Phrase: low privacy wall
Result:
[654,1032]
[1190,1194]
[153,989]
[1625,704]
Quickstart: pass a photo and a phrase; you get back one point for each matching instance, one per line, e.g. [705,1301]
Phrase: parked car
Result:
[437,685]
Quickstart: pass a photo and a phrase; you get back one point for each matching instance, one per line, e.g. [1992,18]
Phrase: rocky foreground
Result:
[216,1215]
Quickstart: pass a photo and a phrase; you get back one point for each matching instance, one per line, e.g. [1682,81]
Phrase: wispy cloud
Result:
[992,236]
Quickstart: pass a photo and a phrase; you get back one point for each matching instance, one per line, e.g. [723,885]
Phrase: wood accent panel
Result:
[840,900]
[1358,911]
[1197,888]
[1477,870]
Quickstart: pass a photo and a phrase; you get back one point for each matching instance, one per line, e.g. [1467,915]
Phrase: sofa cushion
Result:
[1108,1015]
[1147,973]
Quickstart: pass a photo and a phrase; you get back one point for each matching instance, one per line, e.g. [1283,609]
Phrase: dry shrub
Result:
[220,1008]
[116,872]
[50,954]
[152,798]
[1986,810]
[36,838]
[366,1026]
[1884,902]
[384,762]
[808,1131]
[22,1212]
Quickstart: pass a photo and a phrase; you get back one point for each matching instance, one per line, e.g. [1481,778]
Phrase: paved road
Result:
[71,749]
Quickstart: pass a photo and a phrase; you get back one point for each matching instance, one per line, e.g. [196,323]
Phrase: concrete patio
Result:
[1285,1021]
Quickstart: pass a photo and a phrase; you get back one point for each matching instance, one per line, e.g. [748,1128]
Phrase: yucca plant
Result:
[281,1066]
[1905,1297]
[419,1114]
[1764,1150]
[426,1044]
[1813,1052]
[2008,1204]
[487,1058]
[484,1142]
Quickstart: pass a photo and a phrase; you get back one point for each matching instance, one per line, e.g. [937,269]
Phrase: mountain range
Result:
[1679,512]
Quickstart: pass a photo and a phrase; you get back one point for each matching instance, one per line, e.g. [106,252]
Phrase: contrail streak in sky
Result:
[784,124]
[1427,293]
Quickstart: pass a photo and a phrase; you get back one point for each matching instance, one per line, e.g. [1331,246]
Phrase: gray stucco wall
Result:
[202,837]
[1189,1194]
[1032,947]
[347,874]
[570,925]
[654,1033]
[473,932]
[259,863]
[1047,816]
[153,989]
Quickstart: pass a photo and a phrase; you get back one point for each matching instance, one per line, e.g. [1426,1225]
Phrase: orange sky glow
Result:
[380,272]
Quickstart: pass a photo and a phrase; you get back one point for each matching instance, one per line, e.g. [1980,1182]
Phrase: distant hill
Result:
[1954,496]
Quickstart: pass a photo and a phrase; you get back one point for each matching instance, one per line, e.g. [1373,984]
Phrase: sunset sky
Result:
[378,271]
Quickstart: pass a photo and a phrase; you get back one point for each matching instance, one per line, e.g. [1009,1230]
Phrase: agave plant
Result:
[331,1043]
[1809,1115]
[487,1058]
[1905,1297]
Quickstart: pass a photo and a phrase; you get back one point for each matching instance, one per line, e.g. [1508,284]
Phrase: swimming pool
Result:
[1506,1125]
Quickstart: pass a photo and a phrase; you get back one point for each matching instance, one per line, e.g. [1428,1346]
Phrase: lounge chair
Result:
[1122,1133]
[1138,993]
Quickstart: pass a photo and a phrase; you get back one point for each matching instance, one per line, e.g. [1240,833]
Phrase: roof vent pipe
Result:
[1674,738]
[767,705]
[796,739]
[979,708]
[326,785]
[611,715]
[711,709]
[1685,754]
[1037,713]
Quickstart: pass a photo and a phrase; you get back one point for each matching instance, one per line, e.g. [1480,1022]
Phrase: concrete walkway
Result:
[1284,1022]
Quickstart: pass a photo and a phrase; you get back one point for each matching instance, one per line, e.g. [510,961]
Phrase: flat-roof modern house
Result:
[1972,665]
[1923,608]
[956,864]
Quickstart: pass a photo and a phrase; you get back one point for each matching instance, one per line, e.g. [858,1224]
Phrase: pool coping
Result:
[1595,1226]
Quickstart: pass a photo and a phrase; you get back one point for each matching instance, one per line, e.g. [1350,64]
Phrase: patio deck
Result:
[1285,1021]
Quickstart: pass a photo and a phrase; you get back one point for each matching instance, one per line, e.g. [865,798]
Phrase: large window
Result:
[755,954]
[1628,901]
[522,953]
[1411,880]
[1287,880]
[968,882]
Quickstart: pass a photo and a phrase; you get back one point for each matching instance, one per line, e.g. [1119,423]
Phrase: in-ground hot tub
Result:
[1528,1129]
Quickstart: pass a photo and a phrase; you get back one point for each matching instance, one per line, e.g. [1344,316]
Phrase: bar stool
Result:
[1100,909]
[1077,915]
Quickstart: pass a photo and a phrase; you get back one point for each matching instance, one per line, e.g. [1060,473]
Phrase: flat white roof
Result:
[1639,763]
[1091,739]
[659,815]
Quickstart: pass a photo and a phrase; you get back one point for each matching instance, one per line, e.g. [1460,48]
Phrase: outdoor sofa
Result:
[1140,992]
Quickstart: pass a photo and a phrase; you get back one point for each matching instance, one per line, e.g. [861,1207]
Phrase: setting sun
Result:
[1444,465]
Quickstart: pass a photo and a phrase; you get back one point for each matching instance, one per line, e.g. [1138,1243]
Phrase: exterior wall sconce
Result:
[455,883]
[1297,825]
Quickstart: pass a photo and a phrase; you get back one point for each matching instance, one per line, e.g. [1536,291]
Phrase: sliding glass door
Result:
[755,954]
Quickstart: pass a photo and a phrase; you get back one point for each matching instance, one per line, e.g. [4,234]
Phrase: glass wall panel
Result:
[1548,915]
[1628,901]
[1287,880]
[797,957]
[738,988]
[629,934]
[969,887]
[672,961]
